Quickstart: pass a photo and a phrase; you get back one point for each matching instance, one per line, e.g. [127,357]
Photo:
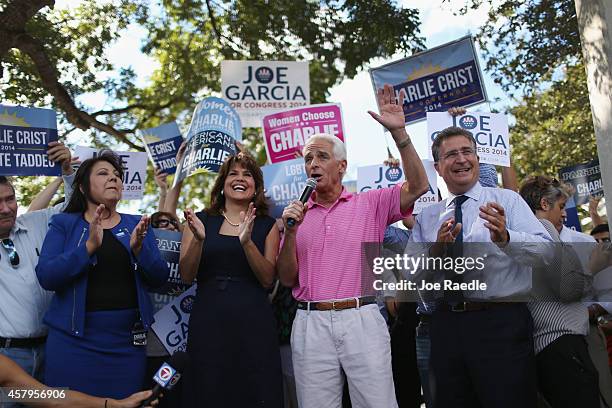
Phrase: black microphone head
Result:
[311,182]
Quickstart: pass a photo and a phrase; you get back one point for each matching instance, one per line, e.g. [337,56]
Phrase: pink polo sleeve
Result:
[386,202]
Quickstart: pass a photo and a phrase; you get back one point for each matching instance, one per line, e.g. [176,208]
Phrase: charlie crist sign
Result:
[258,88]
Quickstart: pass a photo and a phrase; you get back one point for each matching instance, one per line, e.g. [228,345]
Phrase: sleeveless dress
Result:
[232,344]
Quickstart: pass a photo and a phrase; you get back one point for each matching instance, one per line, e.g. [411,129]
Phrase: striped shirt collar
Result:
[473,193]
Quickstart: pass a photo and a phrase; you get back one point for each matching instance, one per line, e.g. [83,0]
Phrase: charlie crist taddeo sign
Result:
[258,88]
[25,134]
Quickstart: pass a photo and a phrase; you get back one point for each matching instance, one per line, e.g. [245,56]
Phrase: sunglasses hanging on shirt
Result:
[9,245]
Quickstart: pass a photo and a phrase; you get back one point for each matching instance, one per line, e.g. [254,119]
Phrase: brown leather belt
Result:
[337,304]
[472,306]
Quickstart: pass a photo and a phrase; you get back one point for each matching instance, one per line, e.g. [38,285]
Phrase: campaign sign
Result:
[171,323]
[169,245]
[571,220]
[134,170]
[489,129]
[586,180]
[285,133]
[162,144]
[211,138]
[24,137]
[284,183]
[258,88]
[380,176]
[434,80]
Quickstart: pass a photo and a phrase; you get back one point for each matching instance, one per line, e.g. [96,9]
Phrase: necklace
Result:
[228,220]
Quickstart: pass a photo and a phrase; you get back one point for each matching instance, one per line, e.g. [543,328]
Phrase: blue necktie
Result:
[456,251]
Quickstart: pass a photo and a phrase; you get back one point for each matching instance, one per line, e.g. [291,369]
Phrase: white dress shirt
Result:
[507,271]
[22,301]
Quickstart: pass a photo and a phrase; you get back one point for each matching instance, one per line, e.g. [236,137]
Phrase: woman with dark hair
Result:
[232,248]
[99,263]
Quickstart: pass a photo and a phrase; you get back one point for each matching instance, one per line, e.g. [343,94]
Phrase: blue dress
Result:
[232,345]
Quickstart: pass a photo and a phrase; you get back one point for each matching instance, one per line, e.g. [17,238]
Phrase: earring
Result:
[221,191]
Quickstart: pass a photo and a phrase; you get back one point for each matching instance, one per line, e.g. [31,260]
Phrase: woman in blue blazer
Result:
[99,263]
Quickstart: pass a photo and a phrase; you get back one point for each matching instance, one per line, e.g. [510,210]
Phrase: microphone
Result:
[167,376]
[308,189]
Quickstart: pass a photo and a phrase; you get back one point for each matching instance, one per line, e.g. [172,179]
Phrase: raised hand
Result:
[161,179]
[495,218]
[60,154]
[391,114]
[96,232]
[457,111]
[245,228]
[139,234]
[180,152]
[195,225]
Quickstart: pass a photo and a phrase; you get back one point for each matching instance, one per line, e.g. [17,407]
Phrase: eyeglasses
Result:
[453,154]
[601,240]
[163,223]
[9,245]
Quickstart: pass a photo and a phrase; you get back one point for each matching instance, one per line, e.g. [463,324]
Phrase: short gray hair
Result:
[338,146]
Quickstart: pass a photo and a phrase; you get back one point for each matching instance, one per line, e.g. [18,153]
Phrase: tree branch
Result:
[49,78]
[213,22]
[14,18]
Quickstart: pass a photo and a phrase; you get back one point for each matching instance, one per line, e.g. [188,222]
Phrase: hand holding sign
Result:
[60,154]
[245,228]
[139,234]
[195,225]
[96,232]
[161,179]
[391,114]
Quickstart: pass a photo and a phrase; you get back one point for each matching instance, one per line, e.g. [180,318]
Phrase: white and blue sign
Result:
[171,323]
[162,144]
[380,176]
[25,134]
[490,130]
[434,80]
[284,183]
[169,245]
[134,170]
[211,138]
[571,220]
[585,179]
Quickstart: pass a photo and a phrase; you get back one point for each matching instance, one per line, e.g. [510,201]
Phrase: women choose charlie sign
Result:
[285,133]
[211,138]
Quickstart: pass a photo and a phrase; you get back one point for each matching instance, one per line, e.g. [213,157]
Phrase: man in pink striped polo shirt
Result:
[337,327]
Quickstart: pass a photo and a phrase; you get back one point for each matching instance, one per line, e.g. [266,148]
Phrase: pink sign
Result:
[285,133]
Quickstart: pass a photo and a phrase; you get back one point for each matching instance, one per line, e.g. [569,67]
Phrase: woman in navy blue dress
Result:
[231,248]
[99,263]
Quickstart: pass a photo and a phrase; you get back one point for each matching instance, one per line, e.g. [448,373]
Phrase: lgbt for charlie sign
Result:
[434,80]
[285,133]
[211,139]
[284,183]
[24,137]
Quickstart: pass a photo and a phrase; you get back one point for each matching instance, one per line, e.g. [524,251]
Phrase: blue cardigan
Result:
[64,263]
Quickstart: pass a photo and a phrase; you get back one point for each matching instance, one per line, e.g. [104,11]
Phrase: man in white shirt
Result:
[481,344]
[22,301]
